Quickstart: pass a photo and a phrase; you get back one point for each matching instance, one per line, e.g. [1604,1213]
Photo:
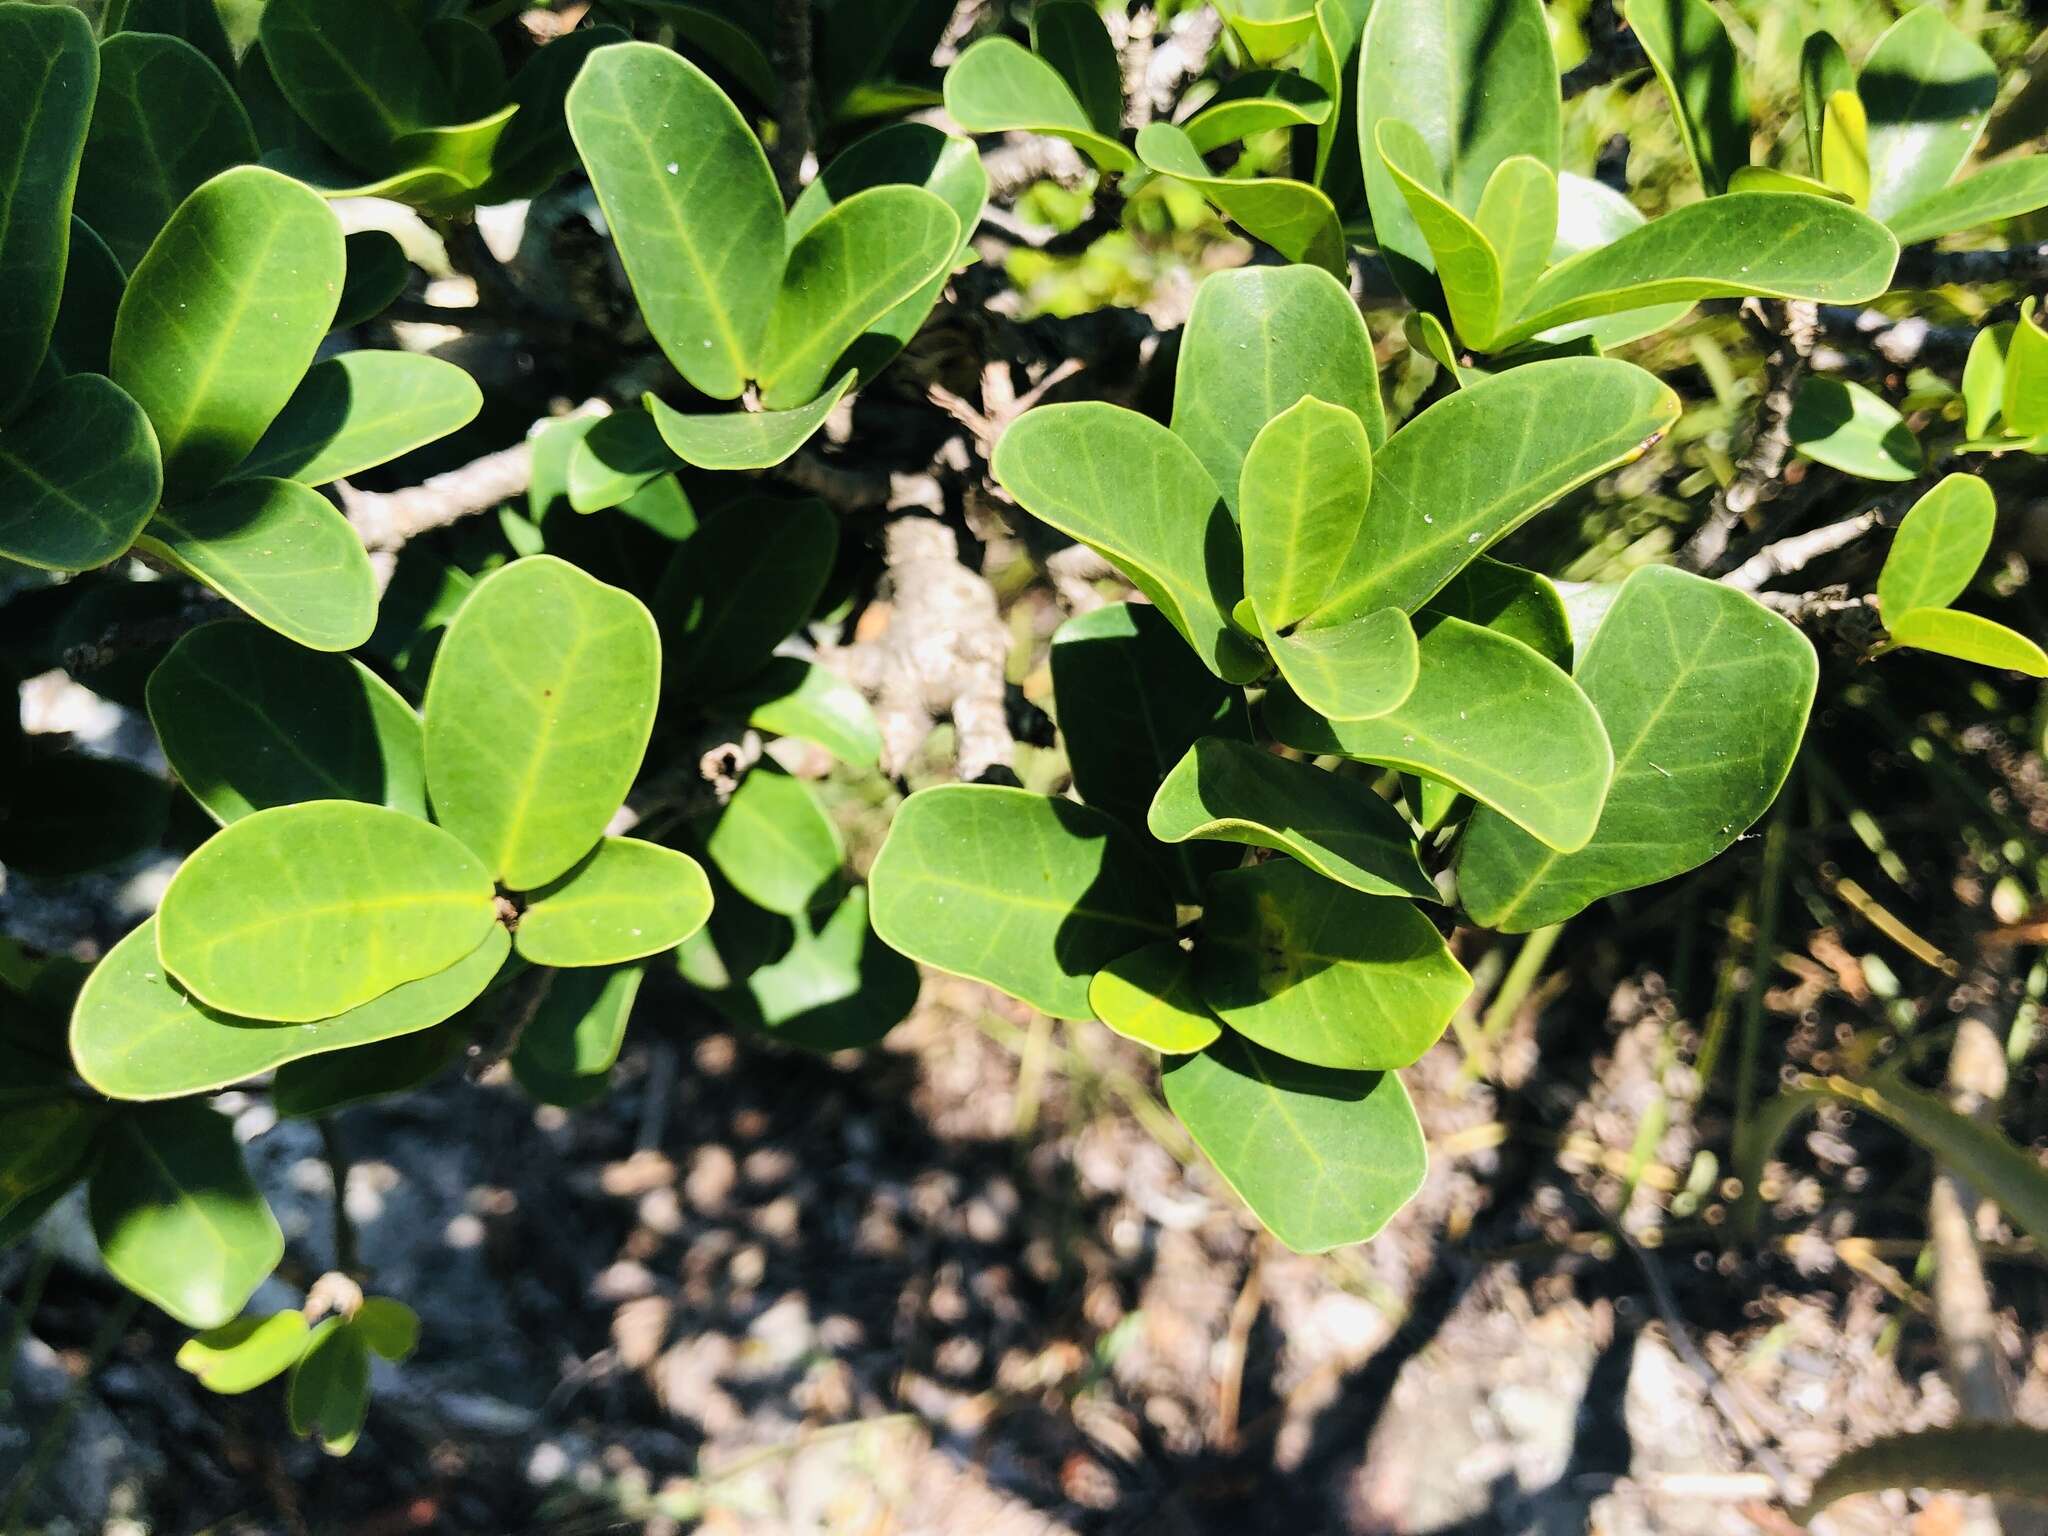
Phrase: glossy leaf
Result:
[1940,543]
[1823,70]
[1839,423]
[135,1034]
[281,553]
[163,122]
[793,697]
[702,250]
[197,22]
[1983,383]
[249,720]
[847,272]
[736,587]
[625,900]
[177,1218]
[1704,693]
[614,459]
[1464,260]
[537,714]
[1487,715]
[774,844]
[329,1391]
[362,409]
[242,1355]
[1845,147]
[2024,403]
[357,72]
[1323,1158]
[1256,341]
[78,476]
[1070,36]
[1296,219]
[1029,894]
[565,1054]
[1302,495]
[306,911]
[1968,637]
[1269,29]
[1136,493]
[390,1328]
[1238,793]
[996,86]
[744,439]
[1357,669]
[1149,996]
[2000,191]
[1926,88]
[1517,603]
[49,70]
[1701,74]
[1518,216]
[1257,101]
[534,149]
[223,315]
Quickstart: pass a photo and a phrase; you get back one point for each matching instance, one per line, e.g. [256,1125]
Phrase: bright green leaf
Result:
[362,409]
[1940,543]
[2025,401]
[1984,379]
[1356,669]
[329,1391]
[1303,492]
[774,843]
[615,458]
[1845,147]
[1839,423]
[1518,216]
[377,274]
[625,900]
[1823,70]
[78,476]
[390,1328]
[793,697]
[1296,219]
[1269,29]
[566,1052]
[1257,101]
[1149,996]
[1968,637]
[996,86]
[1464,260]
[242,1355]
[1515,602]
[1927,89]
[2001,191]
[1698,68]
[744,439]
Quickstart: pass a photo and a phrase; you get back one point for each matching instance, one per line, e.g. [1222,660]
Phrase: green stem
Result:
[1514,990]
[1762,955]
[345,1249]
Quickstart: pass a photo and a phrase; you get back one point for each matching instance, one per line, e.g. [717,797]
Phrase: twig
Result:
[1922,266]
[1788,556]
[1237,1343]
[794,95]
[524,1008]
[345,1248]
[1900,342]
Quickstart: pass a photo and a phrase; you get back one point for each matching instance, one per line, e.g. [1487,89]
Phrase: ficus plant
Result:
[474,799]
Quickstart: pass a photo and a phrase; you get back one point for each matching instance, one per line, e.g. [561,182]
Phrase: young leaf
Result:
[1704,693]
[164,121]
[390,1328]
[1823,70]
[1257,340]
[79,476]
[1926,89]
[177,1218]
[2025,401]
[1237,793]
[1845,147]
[1149,996]
[1258,101]
[996,86]
[845,273]
[1323,973]
[2000,191]
[357,72]
[702,250]
[793,697]
[1479,463]
[1968,637]
[774,844]
[1839,423]
[1984,379]
[329,1391]
[249,720]
[1464,260]
[362,409]
[49,70]
[1518,216]
[222,316]
[1296,219]
[242,1355]
[1698,68]
[1322,1157]
[1939,545]
[281,553]
[1029,894]
[1269,29]
[743,439]
[566,1052]
[1070,36]
[625,900]
[1136,493]
[1355,669]
[1303,492]
[537,714]
[1488,715]
[136,1035]
[306,911]
[746,578]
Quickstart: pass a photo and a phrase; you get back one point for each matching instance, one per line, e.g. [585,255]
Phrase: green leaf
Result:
[1323,1158]
[1783,245]
[446,167]
[1518,216]
[1517,603]
[249,720]
[1927,89]
[357,72]
[1984,379]
[1767,178]
[1322,973]
[49,70]
[1136,493]
[78,476]
[793,697]
[1070,36]
[726,43]
[1479,463]
[1463,259]
[1478,82]
[701,250]
[242,1355]
[280,552]
[1701,74]
[996,86]
[1704,693]
[1327,64]
[1823,70]
[87,813]
[45,1144]
[329,1391]
[164,121]
[1257,340]
[223,315]
[1258,101]
[362,409]
[1488,715]
[736,587]
[537,715]
[1269,29]
[1303,492]
[1339,827]
[136,1035]
[1968,637]
[774,843]
[1357,669]
[566,1052]
[321,1085]
[743,439]
[468,63]
[390,1328]
[2025,401]
[306,911]
[93,281]
[625,900]
[1940,543]
[2004,1461]
[2000,191]
[177,1218]
[1296,219]
[1841,424]
[1029,894]
[1149,996]
[535,150]
[612,460]
[847,272]
[377,273]
[1845,147]
[195,21]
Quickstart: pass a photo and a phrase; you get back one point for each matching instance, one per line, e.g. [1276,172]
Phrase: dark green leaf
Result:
[357,72]
[566,1052]
[1069,35]
[329,1391]
[362,409]
[1517,603]
[93,281]
[196,21]
[320,1085]
[1701,74]
[377,273]
[535,149]
[1839,423]
[78,476]
[751,574]
[71,814]
[1823,71]
[996,86]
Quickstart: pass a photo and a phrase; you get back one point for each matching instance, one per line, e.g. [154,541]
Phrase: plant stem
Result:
[345,1248]
[1762,954]
[1514,989]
